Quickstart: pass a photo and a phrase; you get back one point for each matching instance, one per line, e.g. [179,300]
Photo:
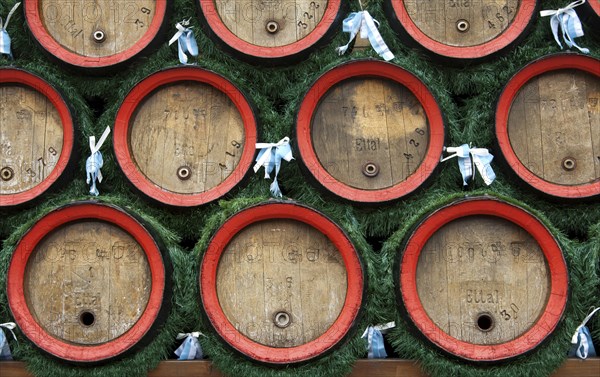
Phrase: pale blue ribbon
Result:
[190,349]
[4,347]
[186,42]
[374,336]
[569,23]
[270,157]
[365,24]
[4,37]
[582,339]
[467,157]
[95,162]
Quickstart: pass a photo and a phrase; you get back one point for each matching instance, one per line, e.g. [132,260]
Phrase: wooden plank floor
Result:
[378,368]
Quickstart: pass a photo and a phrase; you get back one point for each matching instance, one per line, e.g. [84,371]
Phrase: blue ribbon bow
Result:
[365,24]
[186,42]
[270,157]
[190,349]
[4,348]
[374,336]
[95,162]
[469,157]
[4,37]
[582,339]
[569,23]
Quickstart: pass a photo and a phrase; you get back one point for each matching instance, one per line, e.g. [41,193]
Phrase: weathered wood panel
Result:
[554,127]
[271,23]
[281,283]
[462,22]
[370,133]
[96,28]
[187,137]
[483,280]
[31,138]
[87,282]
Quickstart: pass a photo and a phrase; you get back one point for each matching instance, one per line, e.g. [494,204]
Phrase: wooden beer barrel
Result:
[36,137]
[97,35]
[462,30]
[370,132]
[483,280]
[271,31]
[185,136]
[548,125]
[88,282]
[281,283]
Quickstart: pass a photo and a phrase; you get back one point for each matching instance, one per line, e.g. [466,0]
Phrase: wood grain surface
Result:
[31,138]
[87,282]
[73,24]
[554,127]
[271,23]
[370,121]
[278,268]
[191,128]
[483,280]
[462,22]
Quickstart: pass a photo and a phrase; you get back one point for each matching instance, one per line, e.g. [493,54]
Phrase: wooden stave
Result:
[457,55]
[165,77]
[454,348]
[228,335]
[67,162]
[90,65]
[310,164]
[509,160]
[269,56]
[159,263]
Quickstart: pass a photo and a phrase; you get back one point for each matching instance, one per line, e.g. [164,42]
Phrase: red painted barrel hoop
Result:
[208,276]
[370,69]
[252,51]
[16,277]
[34,22]
[546,64]
[559,278]
[17,76]
[523,19]
[145,88]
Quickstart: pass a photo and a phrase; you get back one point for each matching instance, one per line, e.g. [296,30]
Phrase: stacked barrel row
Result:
[286,282]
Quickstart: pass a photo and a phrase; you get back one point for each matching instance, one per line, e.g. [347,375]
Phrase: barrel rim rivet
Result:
[569,163]
[485,322]
[463,25]
[7,173]
[99,36]
[184,173]
[87,318]
[370,169]
[272,26]
[282,319]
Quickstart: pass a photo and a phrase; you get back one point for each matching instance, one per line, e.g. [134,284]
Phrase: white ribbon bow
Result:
[363,22]
[186,42]
[190,349]
[374,335]
[467,157]
[569,22]
[270,156]
[581,338]
[4,37]
[10,326]
[95,162]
